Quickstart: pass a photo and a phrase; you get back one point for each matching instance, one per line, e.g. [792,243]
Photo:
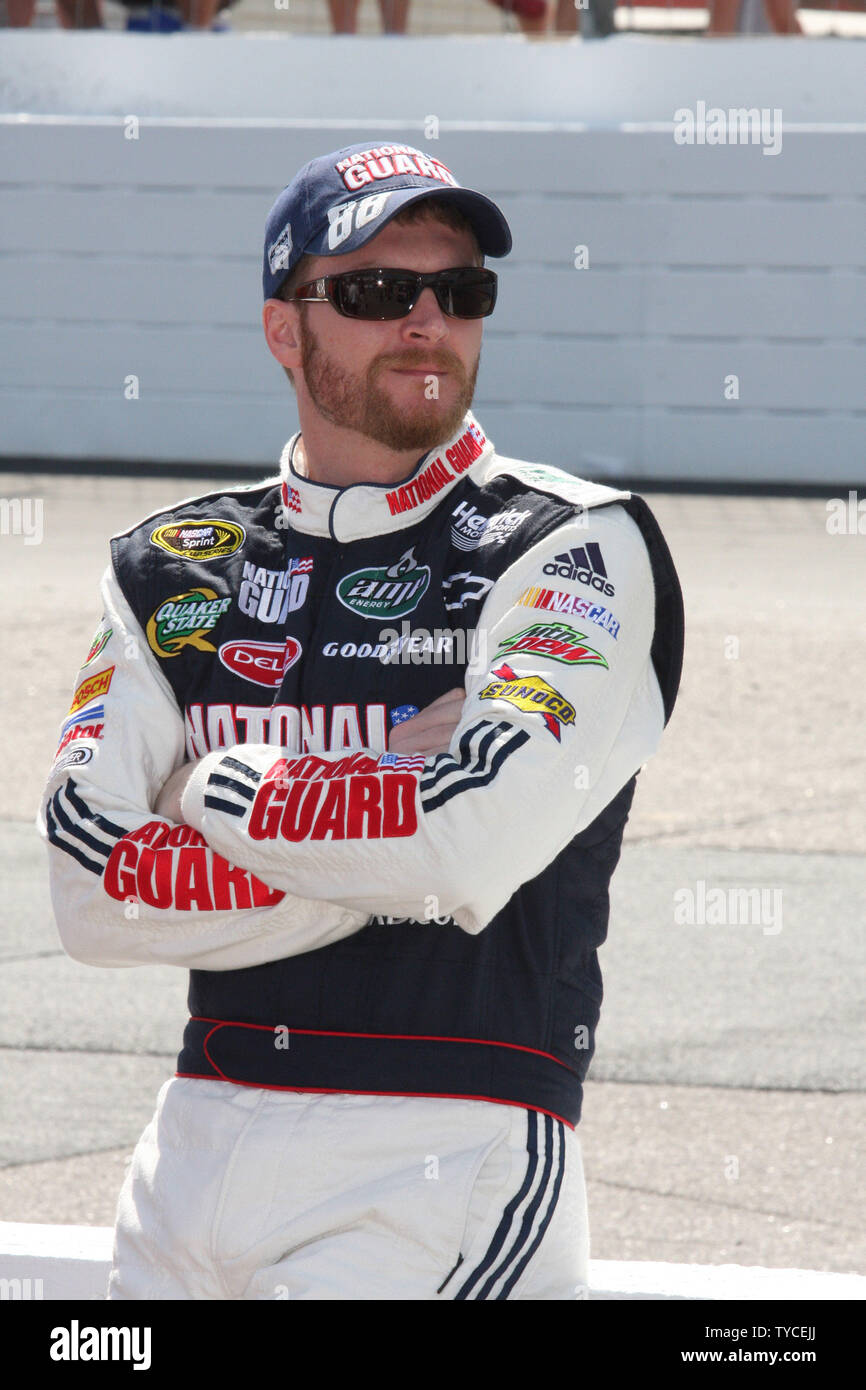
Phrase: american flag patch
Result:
[291,498]
[302,566]
[396,762]
[400,713]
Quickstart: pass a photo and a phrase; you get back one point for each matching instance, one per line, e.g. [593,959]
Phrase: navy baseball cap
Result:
[339,201]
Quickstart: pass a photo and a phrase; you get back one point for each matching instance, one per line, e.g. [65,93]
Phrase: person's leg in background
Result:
[19,13]
[395,15]
[198,14]
[531,15]
[597,19]
[79,14]
[344,16]
[567,19]
[725,17]
[782,15]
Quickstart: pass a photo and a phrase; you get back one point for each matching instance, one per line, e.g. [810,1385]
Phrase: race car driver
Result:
[357,745]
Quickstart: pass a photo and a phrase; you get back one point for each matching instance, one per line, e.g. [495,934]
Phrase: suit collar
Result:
[376,509]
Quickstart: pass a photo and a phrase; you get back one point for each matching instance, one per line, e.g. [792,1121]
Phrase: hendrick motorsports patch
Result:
[387,592]
[182,621]
[533,695]
[192,539]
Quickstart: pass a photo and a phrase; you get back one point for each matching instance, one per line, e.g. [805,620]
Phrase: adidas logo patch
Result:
[585,565]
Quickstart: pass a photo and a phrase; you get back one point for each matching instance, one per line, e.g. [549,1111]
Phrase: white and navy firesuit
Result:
[394,981]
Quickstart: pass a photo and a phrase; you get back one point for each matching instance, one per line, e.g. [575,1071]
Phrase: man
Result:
[357,746]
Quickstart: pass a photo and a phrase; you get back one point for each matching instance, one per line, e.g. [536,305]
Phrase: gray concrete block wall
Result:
[140,258]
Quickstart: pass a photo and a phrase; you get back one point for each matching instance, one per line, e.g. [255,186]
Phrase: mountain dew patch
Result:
[182,621]
[559,641]
[101,638]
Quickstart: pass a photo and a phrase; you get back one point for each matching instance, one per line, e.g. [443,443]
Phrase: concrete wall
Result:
[141,257]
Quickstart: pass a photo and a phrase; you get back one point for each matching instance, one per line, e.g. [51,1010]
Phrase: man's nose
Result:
[426,319]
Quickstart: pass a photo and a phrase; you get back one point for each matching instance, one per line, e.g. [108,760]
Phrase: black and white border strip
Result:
[482,750]
[526,1217]
[75,828]
[236,790]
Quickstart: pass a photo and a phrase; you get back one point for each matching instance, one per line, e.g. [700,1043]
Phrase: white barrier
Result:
[54,1262]
[72,1262]
[715,332]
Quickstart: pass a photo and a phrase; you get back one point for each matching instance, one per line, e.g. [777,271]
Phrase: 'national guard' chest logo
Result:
[270,596]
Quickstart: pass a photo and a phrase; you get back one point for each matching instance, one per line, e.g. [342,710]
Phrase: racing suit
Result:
[393,959]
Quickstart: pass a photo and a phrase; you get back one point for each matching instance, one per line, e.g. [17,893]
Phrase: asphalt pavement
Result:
[724,1116]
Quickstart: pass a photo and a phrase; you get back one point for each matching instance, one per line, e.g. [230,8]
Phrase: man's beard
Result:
[359,402]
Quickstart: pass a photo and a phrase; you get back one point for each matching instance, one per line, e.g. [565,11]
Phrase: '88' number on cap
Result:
[346,218]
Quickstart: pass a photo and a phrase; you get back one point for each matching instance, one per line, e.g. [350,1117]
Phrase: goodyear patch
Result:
[532,694]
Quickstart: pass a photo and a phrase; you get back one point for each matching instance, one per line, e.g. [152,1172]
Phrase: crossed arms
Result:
[276,852]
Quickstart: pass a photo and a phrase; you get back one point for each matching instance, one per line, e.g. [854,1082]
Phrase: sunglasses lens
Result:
[369,295]
[470,298]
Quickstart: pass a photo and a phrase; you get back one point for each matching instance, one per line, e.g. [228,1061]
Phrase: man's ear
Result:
[281,323]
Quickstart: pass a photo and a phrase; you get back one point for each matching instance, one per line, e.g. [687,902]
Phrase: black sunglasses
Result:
[467,292]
